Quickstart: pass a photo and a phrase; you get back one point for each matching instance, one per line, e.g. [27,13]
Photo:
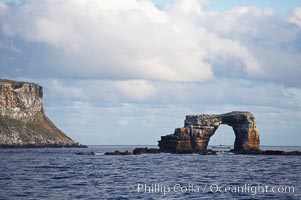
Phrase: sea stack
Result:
[195,135]
[23,122]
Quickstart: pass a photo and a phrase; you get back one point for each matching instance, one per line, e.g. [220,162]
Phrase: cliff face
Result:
[19,100]
[22,119]
[198,129]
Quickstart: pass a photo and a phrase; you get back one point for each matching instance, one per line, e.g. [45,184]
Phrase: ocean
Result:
[62,174]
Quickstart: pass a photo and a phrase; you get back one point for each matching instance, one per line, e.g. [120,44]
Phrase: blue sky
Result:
[281,6]
[127,72]
[217,5]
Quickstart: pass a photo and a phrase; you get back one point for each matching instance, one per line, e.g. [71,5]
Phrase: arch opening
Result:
[223,138]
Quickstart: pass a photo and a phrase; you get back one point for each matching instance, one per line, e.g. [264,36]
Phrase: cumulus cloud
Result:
[57,89]
[122,39]
[101,91]
[296,17]
[215,92]
[134,89]
[268,37]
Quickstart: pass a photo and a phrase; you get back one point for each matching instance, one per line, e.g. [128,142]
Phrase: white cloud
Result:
[100,90]
[296,17]
[123,122]
[59,35]
[134,89]
[269,44]
[124,39]
[57,90]
[215,92]
[185,7]
[119,91]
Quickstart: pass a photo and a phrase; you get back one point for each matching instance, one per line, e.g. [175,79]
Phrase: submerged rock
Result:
[118,153]
[208,152]
[91,153]
[195,135]
[269,152]
[23,122]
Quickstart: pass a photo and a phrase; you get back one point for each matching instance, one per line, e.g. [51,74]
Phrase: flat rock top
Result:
[15,84]
[231,118]
[233,113]
[12,81]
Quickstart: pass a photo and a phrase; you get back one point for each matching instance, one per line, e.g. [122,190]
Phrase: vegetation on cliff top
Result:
[15,84]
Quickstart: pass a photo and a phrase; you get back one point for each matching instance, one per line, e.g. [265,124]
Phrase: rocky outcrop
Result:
[270,152]
[23,122]
[195,135]
[138,151]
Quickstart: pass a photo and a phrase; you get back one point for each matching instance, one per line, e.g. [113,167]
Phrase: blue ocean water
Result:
[61,174]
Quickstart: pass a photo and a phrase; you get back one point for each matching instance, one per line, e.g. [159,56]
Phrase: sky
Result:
[127,72]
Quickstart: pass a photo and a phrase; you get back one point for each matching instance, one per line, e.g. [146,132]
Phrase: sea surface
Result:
[62,174]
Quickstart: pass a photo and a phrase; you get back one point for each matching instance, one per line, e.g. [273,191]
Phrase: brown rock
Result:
[138,151]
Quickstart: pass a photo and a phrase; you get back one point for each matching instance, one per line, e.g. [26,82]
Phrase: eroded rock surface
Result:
[195,135]
[23,122]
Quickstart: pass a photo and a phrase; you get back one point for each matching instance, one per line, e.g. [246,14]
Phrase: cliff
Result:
[23,122]
[197,130]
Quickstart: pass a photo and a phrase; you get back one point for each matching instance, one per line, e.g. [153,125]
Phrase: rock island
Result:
[23,122]
[195,135]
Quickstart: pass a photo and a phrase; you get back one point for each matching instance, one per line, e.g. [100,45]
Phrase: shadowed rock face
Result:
[23,122]
[198,129]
